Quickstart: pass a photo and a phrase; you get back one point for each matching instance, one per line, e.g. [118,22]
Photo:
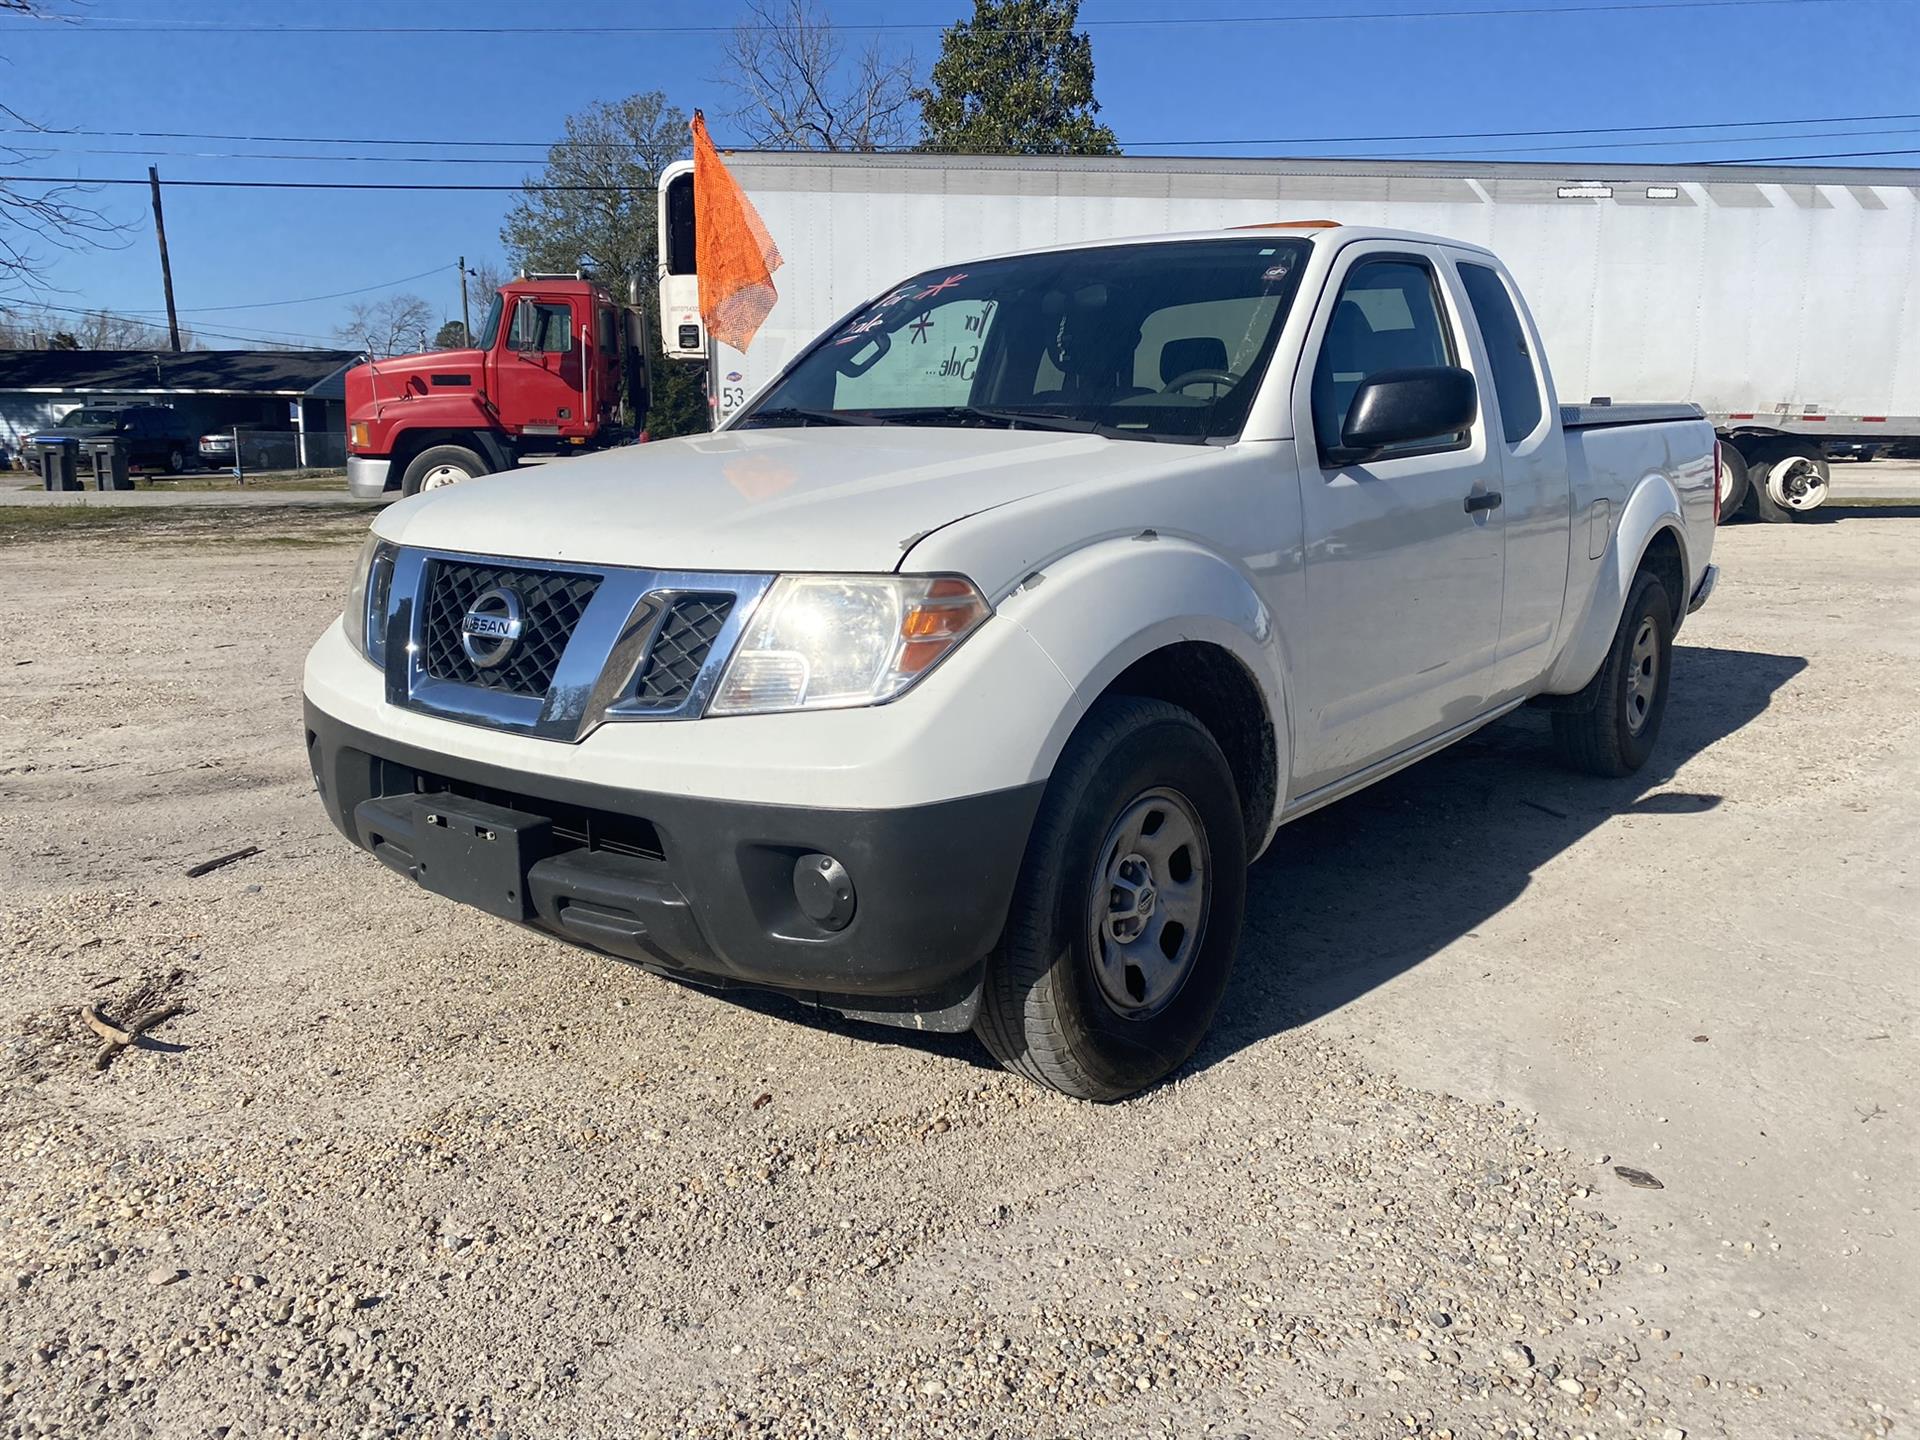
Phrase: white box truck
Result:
[1785,302]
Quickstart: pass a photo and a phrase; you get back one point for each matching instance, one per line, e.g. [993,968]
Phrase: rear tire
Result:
[176,460]
[1126,916]
[1616,733]
[441,465]
[1733,482]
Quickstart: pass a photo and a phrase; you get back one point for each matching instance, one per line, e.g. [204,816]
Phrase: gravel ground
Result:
[398,1168]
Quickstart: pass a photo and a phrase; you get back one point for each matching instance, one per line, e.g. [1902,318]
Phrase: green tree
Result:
[620,147]
[450,336]
[1016,79]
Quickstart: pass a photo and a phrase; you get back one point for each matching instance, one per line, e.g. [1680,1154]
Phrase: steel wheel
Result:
[1798,482]
[1147,910]
[1643,675]
[443,475]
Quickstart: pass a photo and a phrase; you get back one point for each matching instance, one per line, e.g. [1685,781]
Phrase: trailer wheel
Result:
[441,465]
[1783,483]
[1733,481]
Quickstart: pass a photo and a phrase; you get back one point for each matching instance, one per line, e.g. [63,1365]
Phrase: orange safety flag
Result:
[733,252]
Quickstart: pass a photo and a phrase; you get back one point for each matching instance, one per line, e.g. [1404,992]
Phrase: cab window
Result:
[1388,317]
[542,326]
[1513,378]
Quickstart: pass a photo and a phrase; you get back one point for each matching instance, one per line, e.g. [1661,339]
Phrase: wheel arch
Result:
[410,442]
[1651,530]
[1102,616]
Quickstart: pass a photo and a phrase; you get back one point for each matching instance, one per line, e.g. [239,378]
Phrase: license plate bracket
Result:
[478,854]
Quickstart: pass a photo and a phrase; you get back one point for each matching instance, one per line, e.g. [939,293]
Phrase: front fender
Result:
[1653,506]
[1096,611]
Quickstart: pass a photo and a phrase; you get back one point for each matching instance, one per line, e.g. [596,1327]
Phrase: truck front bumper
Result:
[367,476]
[713,891]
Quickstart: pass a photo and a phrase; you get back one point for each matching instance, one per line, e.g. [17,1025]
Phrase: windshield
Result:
[1160,341]
[489,327]
[93,417]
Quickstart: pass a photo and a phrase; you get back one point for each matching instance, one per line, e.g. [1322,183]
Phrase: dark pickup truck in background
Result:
[157,436]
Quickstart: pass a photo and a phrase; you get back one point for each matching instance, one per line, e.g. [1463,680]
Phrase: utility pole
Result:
[466,320]
[166,268]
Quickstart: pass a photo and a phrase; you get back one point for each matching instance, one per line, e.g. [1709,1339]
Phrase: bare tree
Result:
[36,216]
[38,328]
[799,89]
[483,283]
[394,325]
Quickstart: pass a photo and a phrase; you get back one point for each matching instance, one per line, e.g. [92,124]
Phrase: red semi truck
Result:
[546,375]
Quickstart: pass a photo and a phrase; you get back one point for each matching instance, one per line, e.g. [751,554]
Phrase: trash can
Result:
[109,456]
[59,464]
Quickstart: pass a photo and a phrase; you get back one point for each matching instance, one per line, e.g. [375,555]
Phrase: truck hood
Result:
[813,498]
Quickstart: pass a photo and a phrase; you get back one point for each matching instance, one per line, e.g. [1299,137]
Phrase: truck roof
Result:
[558,284]
[1318,232]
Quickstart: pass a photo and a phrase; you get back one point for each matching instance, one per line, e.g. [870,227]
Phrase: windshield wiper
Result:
[1015,419]
[795,415]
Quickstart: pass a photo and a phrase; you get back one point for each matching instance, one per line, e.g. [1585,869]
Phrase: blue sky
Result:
[1572,66]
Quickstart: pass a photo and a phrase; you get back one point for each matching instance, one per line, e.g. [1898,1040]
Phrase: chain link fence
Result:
[259,448]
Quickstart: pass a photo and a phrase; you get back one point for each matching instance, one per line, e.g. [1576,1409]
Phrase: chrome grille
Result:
[553,604]
[680,649]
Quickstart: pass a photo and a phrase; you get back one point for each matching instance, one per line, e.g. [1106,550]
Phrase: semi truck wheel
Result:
[1733,481]
[1785,483]
[1127,913]
[1614,735]
[441,465]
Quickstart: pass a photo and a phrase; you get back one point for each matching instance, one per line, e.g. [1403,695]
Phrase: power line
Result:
[545,145]
[129,25]
[308,299]
[307,184]
[1778,159]
[1635,144]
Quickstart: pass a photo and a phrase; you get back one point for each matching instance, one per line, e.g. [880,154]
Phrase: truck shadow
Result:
[1351,896]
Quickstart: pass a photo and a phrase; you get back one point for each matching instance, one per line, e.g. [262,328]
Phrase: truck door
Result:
[1403,552]
[540,385]
[1534,481]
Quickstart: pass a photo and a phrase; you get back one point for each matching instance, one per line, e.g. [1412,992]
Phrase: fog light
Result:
[824,891]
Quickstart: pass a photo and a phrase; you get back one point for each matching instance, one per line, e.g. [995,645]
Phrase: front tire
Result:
[176,460]
[1126,917]
[1616,733]
[441,465]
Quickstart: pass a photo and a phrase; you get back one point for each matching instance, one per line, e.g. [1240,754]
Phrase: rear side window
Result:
[1387,318]
[1513,378]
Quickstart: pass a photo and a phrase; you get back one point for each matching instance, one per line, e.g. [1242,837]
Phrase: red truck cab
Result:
[546,375]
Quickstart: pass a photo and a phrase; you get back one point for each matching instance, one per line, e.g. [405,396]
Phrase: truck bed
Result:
[1599,417]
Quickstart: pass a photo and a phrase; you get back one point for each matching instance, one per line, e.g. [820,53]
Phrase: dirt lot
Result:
[399,1168]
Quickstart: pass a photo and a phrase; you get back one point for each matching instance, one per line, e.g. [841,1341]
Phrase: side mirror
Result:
[1396,407]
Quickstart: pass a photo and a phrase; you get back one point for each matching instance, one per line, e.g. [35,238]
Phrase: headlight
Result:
[821,642]
[366,610]
[357,434]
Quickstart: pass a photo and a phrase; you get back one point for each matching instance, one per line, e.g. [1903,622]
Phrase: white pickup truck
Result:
[958,679]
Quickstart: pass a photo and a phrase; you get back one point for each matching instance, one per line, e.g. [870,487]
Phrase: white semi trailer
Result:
[1785,302]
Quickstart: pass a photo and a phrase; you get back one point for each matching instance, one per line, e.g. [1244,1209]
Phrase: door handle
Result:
[1489,500]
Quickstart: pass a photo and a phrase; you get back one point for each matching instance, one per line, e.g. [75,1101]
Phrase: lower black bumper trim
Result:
[704,889]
